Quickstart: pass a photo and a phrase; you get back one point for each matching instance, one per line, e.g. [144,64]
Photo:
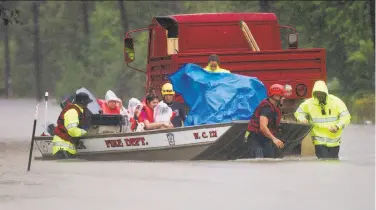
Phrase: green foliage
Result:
[343,28]
[9,15]
[359,62]
[363,108]
[334,86]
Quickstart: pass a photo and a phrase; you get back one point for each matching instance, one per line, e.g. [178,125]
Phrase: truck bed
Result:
[293,67]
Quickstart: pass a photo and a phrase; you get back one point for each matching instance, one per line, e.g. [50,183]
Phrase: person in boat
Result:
[213,65]
[178,109]
[147,114]
[329,116]
[264,123]
[134,107]
[69,127]
[112,104]
[150,91]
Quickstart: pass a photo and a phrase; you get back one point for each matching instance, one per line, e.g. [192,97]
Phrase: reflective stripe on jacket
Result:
[60,144]
[334,113]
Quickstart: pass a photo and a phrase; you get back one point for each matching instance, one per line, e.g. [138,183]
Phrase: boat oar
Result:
[32,138]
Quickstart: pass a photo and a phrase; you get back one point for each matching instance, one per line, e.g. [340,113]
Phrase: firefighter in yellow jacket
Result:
[329,116]
[69,127]
[213,65]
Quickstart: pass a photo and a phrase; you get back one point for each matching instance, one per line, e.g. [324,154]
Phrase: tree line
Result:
[60,46]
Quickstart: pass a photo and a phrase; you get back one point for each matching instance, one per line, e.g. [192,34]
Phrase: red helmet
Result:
[277,90]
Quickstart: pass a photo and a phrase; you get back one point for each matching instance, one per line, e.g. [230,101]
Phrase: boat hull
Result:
[205,142]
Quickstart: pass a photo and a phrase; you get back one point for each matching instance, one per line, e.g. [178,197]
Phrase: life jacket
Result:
[133,124]
[173,116]
[144,102]
[149,114]
[60,129]
[274,121]
[106,109]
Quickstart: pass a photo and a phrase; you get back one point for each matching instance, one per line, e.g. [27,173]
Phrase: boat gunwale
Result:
[217,125]
[138,149]
[195,127]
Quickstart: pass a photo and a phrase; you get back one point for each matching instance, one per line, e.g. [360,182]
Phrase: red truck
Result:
[190,38]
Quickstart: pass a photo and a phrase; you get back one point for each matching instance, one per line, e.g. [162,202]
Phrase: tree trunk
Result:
[85,13]
[125,76]
[264,5]
[123,16]
[179,6]
[372,14]
[37,61]
[8,78]
[175,7]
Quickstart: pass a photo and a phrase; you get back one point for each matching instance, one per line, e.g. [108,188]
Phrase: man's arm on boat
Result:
[71,122]
[154,125]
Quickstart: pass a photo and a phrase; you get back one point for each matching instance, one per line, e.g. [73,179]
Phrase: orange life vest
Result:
[149,114]
[60,129]
[143,102]
[133,124]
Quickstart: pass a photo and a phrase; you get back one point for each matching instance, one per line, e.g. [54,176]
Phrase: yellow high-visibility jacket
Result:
[336,114]
[207,68]
[71,122]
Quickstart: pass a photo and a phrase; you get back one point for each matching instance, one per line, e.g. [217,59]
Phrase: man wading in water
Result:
[264,123]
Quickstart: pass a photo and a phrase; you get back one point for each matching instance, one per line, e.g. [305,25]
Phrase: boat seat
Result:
[107,123]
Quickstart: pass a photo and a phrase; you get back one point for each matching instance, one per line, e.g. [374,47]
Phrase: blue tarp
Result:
[216,97]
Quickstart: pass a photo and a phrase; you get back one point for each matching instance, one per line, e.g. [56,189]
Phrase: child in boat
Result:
[162,113]
[112,104]
[147,114]
[134,109]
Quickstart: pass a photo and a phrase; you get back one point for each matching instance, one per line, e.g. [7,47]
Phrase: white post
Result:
[45,111]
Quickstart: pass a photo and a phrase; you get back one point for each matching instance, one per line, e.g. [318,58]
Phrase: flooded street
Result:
[306,184]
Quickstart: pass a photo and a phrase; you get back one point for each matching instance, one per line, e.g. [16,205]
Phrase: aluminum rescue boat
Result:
[109,138]
[224,141]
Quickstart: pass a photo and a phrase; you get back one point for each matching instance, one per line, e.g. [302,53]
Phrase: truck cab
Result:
[175,40]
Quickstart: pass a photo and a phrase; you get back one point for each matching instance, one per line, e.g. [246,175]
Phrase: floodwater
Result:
[306,184]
